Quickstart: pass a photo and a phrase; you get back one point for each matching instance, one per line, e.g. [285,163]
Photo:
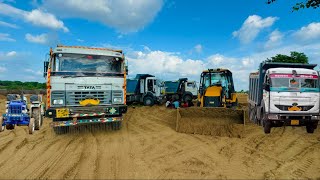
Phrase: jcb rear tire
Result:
[31,126]
[37,118]
[267,126]
[1,126]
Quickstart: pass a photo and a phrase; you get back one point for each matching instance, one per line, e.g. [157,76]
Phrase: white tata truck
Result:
[85,86]
[283,94]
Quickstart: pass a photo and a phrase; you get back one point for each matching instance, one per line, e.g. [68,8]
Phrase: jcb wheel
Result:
[2,127]
[37,118]
[31,126]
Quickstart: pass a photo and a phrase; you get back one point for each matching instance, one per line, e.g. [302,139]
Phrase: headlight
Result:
[117,100]
[315,117]
[58,102]
[273,116]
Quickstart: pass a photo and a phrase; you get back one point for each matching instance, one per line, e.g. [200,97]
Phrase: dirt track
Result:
[147,146]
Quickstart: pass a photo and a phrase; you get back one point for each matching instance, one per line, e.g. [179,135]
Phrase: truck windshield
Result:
[289,81]
[87,63]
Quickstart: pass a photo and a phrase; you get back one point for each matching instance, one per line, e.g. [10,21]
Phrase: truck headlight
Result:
[58,102]
[117,100]
[273,116]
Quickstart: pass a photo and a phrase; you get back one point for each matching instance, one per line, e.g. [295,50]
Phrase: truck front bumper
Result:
[82,112]
[293,119]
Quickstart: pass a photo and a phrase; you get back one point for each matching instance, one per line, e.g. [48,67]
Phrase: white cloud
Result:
[309,32]
[198,48]
[5,24]
[6,37]
[252,27]
[168,65]
[33,72]
[274,40]
[36,17]
[3,69]
[11,54]
[80,40]
[123,15]
[40,39]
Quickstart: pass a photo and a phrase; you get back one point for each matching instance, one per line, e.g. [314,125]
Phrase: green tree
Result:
[295,57]
[301,5]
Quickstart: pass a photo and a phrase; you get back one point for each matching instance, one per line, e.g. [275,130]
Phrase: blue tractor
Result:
[19,114]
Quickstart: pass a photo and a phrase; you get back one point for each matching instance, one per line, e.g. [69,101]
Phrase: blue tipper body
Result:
[132,86]
[15,115]
[171,86]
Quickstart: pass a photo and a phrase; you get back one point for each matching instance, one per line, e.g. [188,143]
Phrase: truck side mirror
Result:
[266,86]
[126,68]
[200,90]
[45,68]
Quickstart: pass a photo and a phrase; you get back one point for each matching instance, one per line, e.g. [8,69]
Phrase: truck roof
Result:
[268,65]
[87,50]
[289,71]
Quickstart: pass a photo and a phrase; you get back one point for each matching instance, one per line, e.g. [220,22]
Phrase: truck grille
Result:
[74,97]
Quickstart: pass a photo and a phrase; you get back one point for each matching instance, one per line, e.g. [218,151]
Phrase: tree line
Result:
[18,85]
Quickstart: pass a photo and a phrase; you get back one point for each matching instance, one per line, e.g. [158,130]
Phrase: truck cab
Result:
[84,86]
[144,88]
[283,94]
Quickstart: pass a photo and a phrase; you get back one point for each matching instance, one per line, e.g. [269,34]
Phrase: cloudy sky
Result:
[167,38]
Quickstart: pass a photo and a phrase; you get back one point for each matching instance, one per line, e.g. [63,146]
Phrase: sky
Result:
[167,38]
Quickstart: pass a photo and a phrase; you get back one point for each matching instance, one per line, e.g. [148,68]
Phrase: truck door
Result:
[142,87]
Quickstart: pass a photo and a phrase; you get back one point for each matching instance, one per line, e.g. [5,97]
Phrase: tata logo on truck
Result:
[89,87]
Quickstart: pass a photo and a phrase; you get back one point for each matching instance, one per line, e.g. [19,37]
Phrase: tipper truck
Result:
[144,88]
[283,94]
[182,90]
[85,86]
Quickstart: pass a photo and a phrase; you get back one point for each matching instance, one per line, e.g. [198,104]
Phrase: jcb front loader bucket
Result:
[210,121]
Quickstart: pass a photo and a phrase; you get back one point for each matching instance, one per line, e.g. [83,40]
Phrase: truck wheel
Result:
[61,130]
[2,126]
[31,125]
[37,118]
[116,125]
[266,126]
[310,128]
[187,98]
[148,101]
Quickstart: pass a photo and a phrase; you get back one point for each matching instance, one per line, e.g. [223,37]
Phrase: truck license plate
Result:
[294,122]
[62,113]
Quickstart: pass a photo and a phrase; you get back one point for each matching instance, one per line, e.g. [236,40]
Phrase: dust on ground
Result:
[148,146]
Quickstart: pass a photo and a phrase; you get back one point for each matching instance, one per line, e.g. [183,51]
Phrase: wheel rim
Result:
[148,101]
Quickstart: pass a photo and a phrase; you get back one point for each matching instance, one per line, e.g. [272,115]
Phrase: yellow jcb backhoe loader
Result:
[216,112]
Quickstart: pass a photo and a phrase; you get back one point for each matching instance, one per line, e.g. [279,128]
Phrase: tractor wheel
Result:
[31,125]
[2,126]
[148,101]
[37,118]
[116,125]
[9,126]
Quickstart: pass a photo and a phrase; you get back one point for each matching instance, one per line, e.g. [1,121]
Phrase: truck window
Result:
[88,63]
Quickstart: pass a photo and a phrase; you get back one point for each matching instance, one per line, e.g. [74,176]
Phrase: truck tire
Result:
[310,128]
[187,98]
[61,130]
[267,126]
[31,125]
[37,118]
[1,126]
[116,125]
[148,101]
